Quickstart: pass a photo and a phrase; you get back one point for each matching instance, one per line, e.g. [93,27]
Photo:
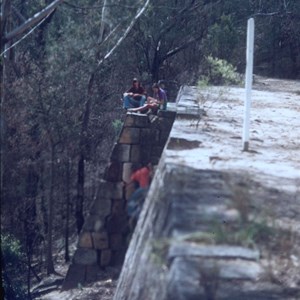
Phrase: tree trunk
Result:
[67,254]
[50,265]
[43,200]
[83,144]
[293,57]
[155,67]
[28,275]
[80,194]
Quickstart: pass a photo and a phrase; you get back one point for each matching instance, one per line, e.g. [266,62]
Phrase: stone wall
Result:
[172,254]
[102,241]
[207,228]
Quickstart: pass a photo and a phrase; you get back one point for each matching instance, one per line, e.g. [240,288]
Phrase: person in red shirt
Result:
[142,177]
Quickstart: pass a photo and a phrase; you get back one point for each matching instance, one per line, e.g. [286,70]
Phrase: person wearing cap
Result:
[159,100]
[135,96]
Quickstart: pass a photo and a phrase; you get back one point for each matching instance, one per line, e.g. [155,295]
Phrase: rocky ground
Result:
[49,288]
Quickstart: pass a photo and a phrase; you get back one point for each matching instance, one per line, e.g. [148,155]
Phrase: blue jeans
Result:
[136,201]
[129,102]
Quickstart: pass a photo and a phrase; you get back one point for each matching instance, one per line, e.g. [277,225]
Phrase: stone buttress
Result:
[102,241]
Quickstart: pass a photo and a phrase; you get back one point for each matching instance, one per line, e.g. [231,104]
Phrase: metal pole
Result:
[248,82]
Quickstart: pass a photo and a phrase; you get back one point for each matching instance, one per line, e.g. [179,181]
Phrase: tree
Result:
[88,102]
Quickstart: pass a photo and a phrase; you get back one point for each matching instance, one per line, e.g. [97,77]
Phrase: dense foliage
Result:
[61,87]
[12,268]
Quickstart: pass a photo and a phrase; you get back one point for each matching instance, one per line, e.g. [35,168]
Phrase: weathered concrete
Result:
[192,241]
[160,245]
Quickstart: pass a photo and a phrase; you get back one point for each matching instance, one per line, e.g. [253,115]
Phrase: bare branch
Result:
[5,10]
[27,34]
[112,50]
[125,33]
[275,13]
[32,21]
[181,47]
[18,14]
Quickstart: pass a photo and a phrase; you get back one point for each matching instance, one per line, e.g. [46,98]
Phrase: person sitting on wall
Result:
[159,100]
[135,96]
[151,104]
[160,95]
[142,177]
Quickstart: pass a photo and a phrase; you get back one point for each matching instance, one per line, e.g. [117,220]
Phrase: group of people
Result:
[137,100]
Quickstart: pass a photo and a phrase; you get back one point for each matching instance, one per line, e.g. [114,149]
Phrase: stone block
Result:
[145,153]
[130,136]
[101,206]
[75,276]
[129,121]
[117,257]
[155,160]
[93,223]
[146,136]
[116,242]
[164,135]
[165,124]
[136,120]
[103,191]
[84,256]
[135,155]
[105,257]
[117,207]
[188,249]
[100,240]
[121,153]
[167,114]
[228,269]
[188,276]
[85,240]
[236,269]
[149,136]
[116,224]
[153,119]
[127,171]
[91,273]
[116,190]
[157,151]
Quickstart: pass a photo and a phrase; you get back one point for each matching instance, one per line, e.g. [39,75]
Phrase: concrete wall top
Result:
[207,192]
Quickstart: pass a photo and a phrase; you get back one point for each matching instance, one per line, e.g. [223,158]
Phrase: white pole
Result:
[248,82]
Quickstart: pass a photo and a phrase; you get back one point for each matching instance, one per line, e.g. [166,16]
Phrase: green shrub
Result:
[117,126]
[220,72]
[12,268]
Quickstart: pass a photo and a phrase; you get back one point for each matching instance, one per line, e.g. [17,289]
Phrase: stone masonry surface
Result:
[207,209]
[102,241]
